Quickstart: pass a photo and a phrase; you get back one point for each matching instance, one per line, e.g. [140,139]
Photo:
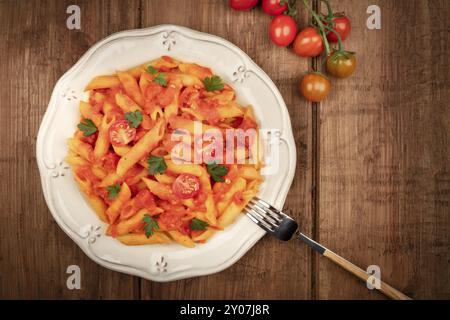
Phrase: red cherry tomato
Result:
[273,7]
[308,43]
[120,133]
[186,186]
[240,5]
[282,30]
[342,26]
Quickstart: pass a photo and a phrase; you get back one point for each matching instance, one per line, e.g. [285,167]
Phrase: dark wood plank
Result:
[271,269]
[36,50]
[384,154]
[383,170]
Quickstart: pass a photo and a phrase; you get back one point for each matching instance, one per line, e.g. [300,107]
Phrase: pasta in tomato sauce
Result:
[145,182]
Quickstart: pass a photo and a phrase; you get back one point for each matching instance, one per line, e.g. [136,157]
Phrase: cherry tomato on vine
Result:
[341,64]
[121,134]
[308,43]
[282,30]
[314,87]
[342,26]
[274,7]
[240,5]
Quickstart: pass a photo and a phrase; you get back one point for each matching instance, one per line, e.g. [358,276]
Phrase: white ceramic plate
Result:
[119,52]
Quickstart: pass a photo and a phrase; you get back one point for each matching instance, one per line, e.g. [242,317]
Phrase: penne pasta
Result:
[88,113]
[133,239]
[193,169]
[126,103]
[171,110]
[103,82]
[160,190]
[102,144]
[82,149]
[114,209]
[142,148]
[131,154]
[126,226]
[164,178]
[249,173]
[182,239]
[238,186]
[131,87]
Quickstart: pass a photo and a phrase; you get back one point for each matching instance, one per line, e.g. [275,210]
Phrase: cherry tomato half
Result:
[186,186]
[240,5]
[282,30]
[341,65]
[314,87]
[308,43]
[273,7]
[120,133]
[342,26]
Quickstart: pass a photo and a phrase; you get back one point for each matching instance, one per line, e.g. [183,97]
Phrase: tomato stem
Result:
[330,15]
[341,46]
[320,25]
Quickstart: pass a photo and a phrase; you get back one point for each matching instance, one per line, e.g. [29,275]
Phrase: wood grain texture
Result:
[384,154]
[34,251]
[267,271]
[372,180]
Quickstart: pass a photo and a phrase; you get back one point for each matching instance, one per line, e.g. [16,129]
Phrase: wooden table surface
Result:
[373,172]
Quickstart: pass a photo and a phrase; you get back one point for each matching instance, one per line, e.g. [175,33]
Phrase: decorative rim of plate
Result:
[85,238]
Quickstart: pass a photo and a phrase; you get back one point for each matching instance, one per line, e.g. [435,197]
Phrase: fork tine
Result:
[256,219]
[271,219]
[265,214]
[260,216]
[267,206]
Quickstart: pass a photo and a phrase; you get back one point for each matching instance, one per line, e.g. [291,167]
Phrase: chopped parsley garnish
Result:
[134,118]
[113,191]
[213,83]
[151,70]
[150,225]
[197,224]
[161,79]
[156,165]
[217,171]
[88,127]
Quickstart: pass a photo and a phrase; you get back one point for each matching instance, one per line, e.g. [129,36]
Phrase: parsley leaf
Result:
[134,118]
[217,171]
[161,79]
[156,165]
[151,70]
[197,224]
[88,127]
[113,191]
[150,225]
[213,83]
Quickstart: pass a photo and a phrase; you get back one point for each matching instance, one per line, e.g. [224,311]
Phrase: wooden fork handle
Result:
[350,267]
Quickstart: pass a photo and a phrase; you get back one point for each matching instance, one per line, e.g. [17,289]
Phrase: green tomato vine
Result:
[324,25]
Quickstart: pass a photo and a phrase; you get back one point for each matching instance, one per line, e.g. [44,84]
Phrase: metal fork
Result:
[283,227]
